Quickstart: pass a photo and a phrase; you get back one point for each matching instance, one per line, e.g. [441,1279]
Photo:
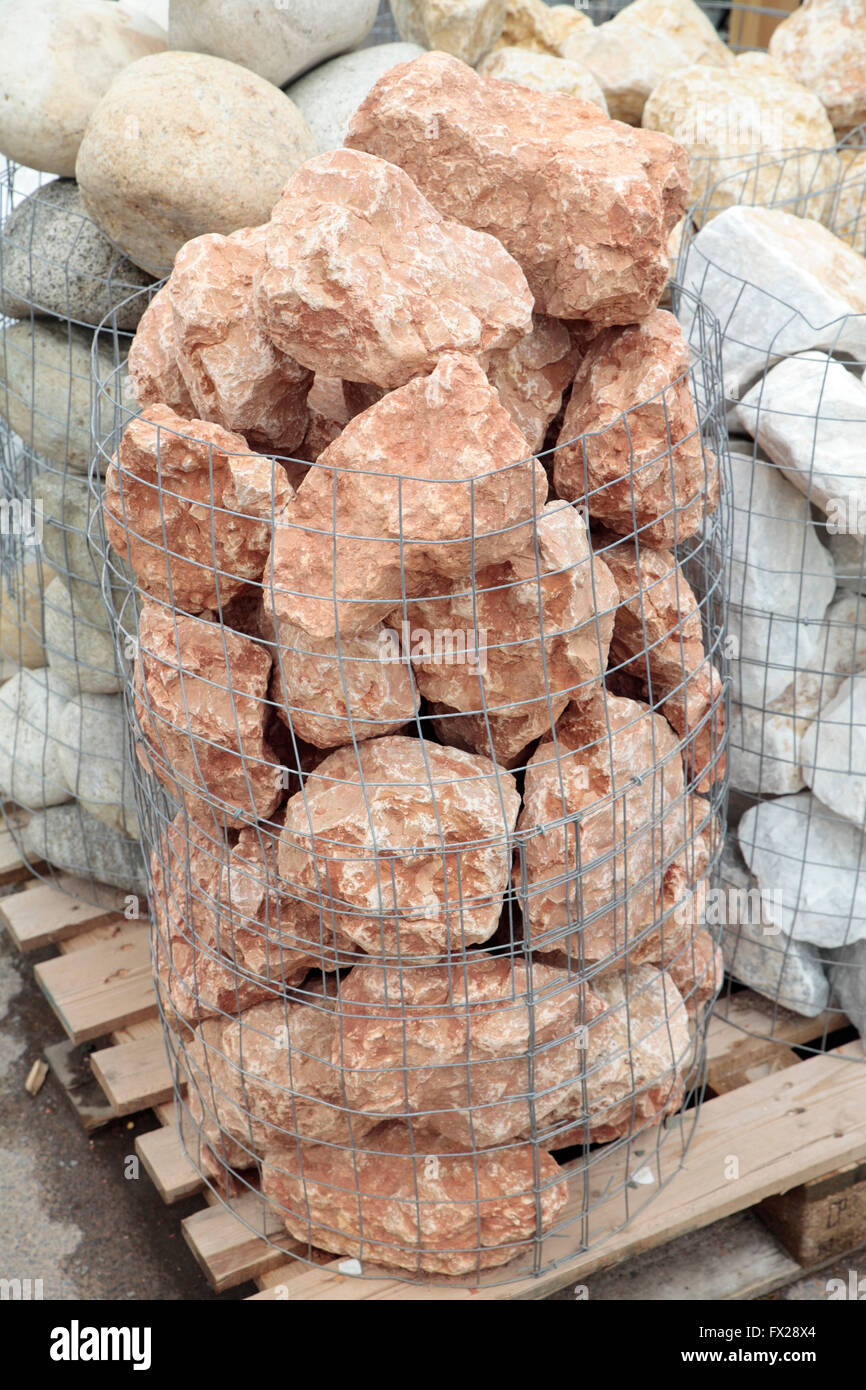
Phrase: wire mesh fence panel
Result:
[64,775]
[430,773]
[788,284]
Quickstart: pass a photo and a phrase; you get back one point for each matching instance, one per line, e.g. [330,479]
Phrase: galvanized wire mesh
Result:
[791,300]
[64,776]
[390,993]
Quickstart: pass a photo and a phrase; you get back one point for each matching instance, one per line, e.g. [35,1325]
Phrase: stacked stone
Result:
[419,661]
[791,299]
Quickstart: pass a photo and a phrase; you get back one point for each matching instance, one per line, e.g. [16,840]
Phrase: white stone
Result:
[74,841]
[849,560]
[815,861]
[78,640]
[773,619]
[93,762]
[833,752]
[31,706]
[846,971]
[466,29]
[329,96]
[278,39]
[544,72]
[778,284]
[57,57]
[809,415]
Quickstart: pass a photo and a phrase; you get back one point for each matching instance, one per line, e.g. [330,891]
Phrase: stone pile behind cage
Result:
[787,281]
[430,766]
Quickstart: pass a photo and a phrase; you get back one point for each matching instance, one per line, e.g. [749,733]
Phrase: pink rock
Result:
[658,640]
[207,1119]
[697,970]
[189,507]
[403,845]
[584,204]
[646,468]
[409,1199]
[329,415]
[417,488]
[532,376]
[613,776]
[496,660]
[201,702]
[366,280]
[153,371]
[235,375]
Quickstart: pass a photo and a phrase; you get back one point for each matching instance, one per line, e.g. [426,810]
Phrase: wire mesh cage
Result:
[430,771]
[787,279]
[64,777]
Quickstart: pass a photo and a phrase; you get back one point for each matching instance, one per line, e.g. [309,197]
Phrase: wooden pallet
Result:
[796,1127]
[753,26]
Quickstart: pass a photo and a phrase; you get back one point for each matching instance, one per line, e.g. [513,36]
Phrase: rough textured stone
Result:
[833,755]
[774,618]
[45,371]
[643,44]
[753,266]
[824,45]
[467,29]
[154,375]
[582,204]
[66,506]
[789,972]
[201,703]
[92,758]
[55,260]
[541,28]
[532,377]
[384,1203]
[447,483]
[815,859]
[78,638]
[329,96]
[522,679]
[329,414]
[57,58]
[427,830]
[31,706]
[809,415]
[725,117]
[658,638]
[642,463]
[189,507]
[365,280]
[456,1048]
[278,41]
[846,970]
[544,73]
[74,841]
[235,375]
[22,632]
[848,218]
[182,144]
[616,766]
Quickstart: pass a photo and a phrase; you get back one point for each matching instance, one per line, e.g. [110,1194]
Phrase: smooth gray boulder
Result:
[78,639]
[94,762]
[329,96]
[76,842]
[31,707]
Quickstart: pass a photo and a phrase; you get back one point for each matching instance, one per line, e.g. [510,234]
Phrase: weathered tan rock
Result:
[594,885]
[529,633]
[544,73]
[465,28]
[235,375]
[623,468]
[541,28]
[532,377]
[582,204]
[412,1200]
[645,42]
[848,217]
[201,701]
[189,507]
[402,845]
[658,639]
[153,371]
[364,279]
[329,414]
[724,117]
[823,44]
[406,496]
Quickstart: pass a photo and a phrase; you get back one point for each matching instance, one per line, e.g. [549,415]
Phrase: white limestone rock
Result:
[31,706]
[466,29]
[78,638]
[93,761]
[72,840]
[329,96]
[833,752]
[846,971]
[544,72]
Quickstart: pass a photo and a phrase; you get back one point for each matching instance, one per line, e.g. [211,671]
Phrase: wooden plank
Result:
[134,1075]
[14,868]
[785,1129]
[750,30]
[227,1249]
[737,1040]
[42,914]
[171,1172]
[820,1220]
[96,990]
[779,1059]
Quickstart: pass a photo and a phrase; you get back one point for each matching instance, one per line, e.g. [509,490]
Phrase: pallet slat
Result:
[96,990]
[134,1075]
[167,1165]
[43,915]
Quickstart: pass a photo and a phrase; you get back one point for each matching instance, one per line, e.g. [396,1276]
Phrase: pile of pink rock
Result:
[430,685]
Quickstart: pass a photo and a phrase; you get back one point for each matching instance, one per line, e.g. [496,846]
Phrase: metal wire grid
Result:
[796,929]
[283,927]
[737,23]
[67,793]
